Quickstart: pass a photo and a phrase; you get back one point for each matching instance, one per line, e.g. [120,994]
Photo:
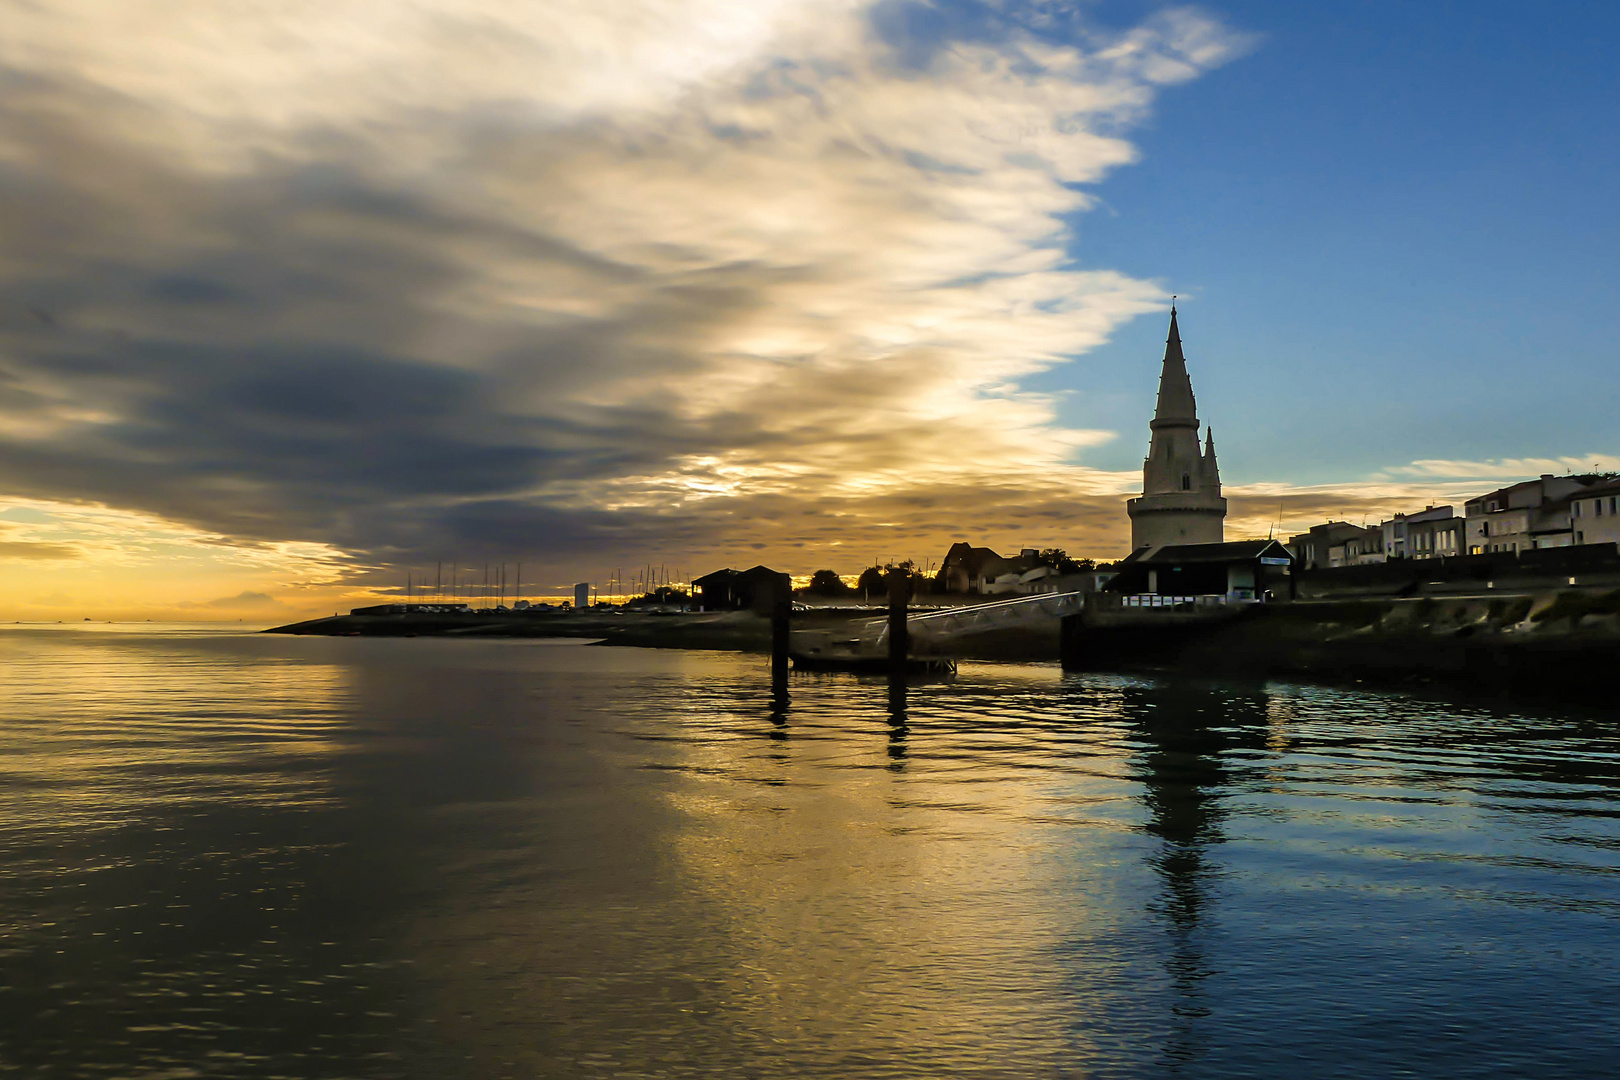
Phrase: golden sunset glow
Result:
[299,300]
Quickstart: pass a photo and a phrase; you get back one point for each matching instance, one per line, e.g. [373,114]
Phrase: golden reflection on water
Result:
[445,858]
[102,728]
[799,900]
[898,868]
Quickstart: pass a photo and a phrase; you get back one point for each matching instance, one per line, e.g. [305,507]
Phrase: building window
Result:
[1612,499]
[1580,538]
[1186,481]
[1597,507]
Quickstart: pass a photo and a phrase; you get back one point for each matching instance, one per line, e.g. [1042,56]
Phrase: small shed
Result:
[753,589]
[1237,570]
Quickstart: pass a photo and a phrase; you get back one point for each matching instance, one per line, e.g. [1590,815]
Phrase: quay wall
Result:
[1544,569]
[1562,643]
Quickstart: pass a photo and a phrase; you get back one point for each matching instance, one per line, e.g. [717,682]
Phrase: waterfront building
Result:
[1431,533]
[1360,550]
[1316,547]
[1595,513]
[966,568]
[1525,516]
[1181,499]
[756,588]
[1235,570]
[969,569]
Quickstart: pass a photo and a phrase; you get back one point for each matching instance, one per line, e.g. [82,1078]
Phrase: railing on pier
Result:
[933,630]
[1119,601]
[994,615]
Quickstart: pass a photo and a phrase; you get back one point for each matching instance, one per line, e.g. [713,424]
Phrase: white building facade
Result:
[1434,532]
[1595,513]
[1524,516]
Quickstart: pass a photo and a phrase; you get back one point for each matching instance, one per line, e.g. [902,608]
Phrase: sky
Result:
[297,298]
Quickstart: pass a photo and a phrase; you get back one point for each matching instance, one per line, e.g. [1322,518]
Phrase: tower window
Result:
[1186,481]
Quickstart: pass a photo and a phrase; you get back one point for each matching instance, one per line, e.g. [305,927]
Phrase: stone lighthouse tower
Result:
[1181,488]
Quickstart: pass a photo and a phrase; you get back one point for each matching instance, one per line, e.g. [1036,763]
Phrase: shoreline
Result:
[1551,646]
[734,631]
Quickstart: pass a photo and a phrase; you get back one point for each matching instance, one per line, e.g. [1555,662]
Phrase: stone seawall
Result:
[1562,644]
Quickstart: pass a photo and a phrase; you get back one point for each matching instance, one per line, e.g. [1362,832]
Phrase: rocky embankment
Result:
[1552,644]
[1562,644]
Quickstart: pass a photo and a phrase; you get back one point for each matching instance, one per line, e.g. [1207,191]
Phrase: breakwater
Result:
[735,631]
[739,631]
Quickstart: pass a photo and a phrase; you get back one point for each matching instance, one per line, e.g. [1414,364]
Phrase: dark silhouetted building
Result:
[1237,570]
[755,589]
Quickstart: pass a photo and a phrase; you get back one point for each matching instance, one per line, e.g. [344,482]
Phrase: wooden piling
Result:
[781,636]
[1071,638]
[899,582]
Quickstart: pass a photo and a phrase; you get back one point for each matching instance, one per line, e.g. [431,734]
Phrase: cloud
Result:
[1507,470]
[32,550]
[125,539]
[579,280]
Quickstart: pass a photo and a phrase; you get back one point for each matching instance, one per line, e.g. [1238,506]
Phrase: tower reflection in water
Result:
[1185,735]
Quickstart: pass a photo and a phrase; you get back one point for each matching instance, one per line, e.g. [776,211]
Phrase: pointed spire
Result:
[1175,389]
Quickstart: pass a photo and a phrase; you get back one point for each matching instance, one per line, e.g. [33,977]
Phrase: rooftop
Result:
[1229,551]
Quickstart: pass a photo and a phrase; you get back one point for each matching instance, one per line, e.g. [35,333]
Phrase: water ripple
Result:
[230,855]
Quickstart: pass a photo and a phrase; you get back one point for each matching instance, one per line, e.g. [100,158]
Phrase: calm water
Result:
[229,855]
